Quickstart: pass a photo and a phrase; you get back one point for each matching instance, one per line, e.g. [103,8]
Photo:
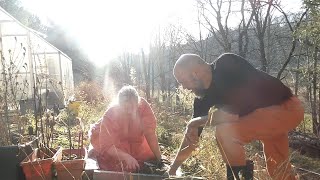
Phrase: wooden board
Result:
[91,165]
[111,175]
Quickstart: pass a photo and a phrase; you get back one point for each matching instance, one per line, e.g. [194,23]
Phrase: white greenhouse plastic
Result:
[35,68]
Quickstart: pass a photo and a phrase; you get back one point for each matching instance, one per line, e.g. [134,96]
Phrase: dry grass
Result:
[207,162]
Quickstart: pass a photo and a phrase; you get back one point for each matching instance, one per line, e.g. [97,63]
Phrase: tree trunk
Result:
[314,93]
[261,25]
[318,123]
[243,40]
[146,75]
[177,95]
[269,47]
[169,92]
[305,144]
[139,74]
[296,84]
[162,80]
[294,40]
[309,85]
[263,58]
[152,78]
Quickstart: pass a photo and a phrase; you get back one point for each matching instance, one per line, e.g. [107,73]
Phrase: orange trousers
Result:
[270,125]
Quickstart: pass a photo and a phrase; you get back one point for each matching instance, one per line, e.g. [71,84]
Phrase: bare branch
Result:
[227,17]
[294,43]
[264,24]
[211,5]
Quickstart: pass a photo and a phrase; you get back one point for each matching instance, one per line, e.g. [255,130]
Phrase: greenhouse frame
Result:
[34,73]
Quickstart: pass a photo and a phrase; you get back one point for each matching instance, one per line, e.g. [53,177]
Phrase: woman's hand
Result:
[131,163]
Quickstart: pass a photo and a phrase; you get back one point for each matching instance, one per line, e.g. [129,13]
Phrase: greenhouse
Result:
[34,73]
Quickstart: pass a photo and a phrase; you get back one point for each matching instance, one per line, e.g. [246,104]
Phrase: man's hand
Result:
[188,144]
[131,163]
[171,172]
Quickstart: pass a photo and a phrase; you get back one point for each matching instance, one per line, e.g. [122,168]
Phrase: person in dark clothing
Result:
[245,104]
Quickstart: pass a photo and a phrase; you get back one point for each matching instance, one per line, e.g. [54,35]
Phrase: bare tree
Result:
[315,123]
[209,9]
[198,46]
[293,28]
[243,39]
[121,70]
[146,71]
[161,49]
[261,13]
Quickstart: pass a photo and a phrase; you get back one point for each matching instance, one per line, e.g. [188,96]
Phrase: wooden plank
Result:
[91,165]
[105,175]
[111,175]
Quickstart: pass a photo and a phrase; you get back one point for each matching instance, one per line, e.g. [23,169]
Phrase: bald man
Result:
[249,105]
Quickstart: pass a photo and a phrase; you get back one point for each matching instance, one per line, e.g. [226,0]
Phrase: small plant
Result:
[14,87]
[70,119]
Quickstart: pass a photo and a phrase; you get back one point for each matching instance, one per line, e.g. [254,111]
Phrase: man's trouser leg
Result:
[266,123]
[276,150]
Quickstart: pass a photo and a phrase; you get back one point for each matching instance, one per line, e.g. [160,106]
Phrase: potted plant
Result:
[38,165]
[69,163]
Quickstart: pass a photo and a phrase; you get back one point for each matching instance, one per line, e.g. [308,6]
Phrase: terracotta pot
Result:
[70,169]
[38,165]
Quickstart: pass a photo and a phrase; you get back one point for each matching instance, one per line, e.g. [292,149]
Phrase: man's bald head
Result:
[188,63]
[193,73]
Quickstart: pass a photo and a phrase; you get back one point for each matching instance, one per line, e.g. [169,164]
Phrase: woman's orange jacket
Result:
[125,134]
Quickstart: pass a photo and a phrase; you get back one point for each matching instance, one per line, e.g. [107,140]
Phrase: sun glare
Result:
[105,29]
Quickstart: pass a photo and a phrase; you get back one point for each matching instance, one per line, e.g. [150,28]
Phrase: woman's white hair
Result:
[128,93]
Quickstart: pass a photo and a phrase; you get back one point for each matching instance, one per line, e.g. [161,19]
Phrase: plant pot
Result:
[70,169]
[11,156]
[38,165]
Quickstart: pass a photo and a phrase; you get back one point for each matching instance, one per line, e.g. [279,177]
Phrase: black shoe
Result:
[240,172]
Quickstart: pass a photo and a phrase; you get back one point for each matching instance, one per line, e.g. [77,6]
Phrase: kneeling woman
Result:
[127,135]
